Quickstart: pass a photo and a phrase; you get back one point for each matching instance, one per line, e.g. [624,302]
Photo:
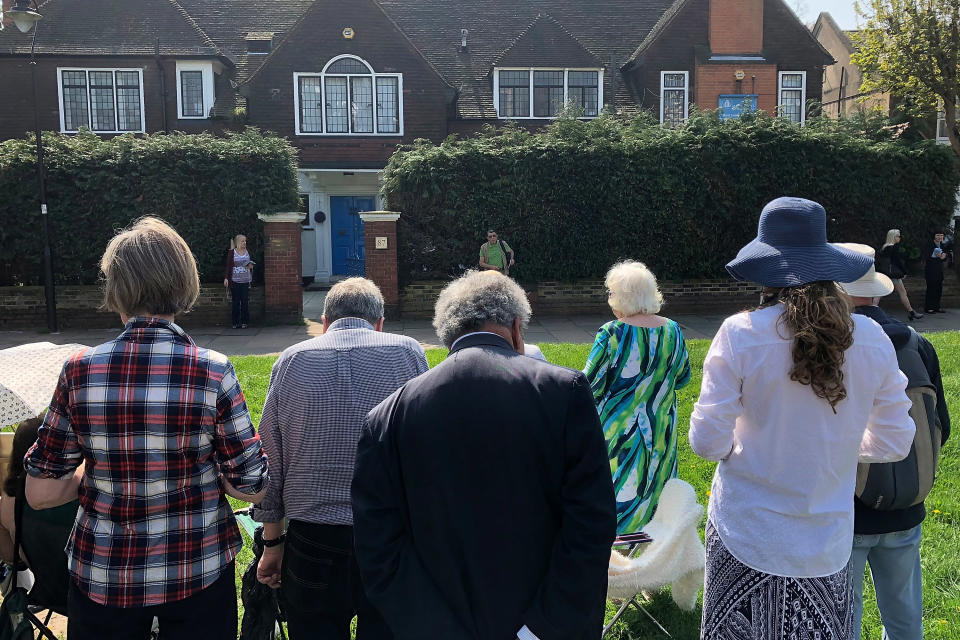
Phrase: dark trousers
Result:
[210,614]
[240,314]
[934,276]
[321,590]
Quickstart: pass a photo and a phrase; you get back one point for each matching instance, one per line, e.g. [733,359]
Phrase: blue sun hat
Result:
[791,249]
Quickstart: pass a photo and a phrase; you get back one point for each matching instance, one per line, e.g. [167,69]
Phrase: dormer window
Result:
[260,42]
[349,98]
[534,93]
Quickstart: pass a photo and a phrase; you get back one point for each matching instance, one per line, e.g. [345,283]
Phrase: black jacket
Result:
[869,521]
[895,256]
[483,501]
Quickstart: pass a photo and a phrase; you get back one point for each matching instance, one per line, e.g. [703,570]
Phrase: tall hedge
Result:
[576,197]
[209,188]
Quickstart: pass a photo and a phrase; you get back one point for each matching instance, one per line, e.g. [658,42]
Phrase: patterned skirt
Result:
[740,603]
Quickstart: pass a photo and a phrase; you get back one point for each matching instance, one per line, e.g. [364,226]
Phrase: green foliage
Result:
[579,195]
[911,48]
[209,188]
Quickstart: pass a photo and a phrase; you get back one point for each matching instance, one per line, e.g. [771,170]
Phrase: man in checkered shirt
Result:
[153,431]
[320,391]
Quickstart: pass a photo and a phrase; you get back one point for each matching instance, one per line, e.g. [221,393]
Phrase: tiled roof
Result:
[546,43]
[113,27]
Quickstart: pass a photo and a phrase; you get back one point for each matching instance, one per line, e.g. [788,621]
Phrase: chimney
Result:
[736,26]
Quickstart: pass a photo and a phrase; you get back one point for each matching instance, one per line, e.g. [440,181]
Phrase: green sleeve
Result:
[598,364]
[507,248]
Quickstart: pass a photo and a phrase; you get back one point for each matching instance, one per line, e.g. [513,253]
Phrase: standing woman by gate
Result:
[237,280]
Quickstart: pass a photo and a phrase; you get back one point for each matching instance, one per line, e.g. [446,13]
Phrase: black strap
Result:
[21,499]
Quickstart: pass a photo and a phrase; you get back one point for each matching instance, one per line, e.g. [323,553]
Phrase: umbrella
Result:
[28,376]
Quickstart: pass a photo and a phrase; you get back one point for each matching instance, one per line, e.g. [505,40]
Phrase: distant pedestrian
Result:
[935,257]
[482,497]
[320,392]
[496,254]
[154,432]
[238,277]
[636,365]
[793,394]
[890,262]
[888,506]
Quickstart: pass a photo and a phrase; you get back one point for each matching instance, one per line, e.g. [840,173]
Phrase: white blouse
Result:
[782,495]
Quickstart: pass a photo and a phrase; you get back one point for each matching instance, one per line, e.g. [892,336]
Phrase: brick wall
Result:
[381,264]
[77,308]
[282,269]
[736,26]
[713,80]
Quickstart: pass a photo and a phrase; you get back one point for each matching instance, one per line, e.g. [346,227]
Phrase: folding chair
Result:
[634,543]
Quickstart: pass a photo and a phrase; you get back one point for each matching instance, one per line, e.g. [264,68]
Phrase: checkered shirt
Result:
[320,392]
[157,420]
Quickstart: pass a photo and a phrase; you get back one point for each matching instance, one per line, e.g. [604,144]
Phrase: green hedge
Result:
[577,196]
[209,188]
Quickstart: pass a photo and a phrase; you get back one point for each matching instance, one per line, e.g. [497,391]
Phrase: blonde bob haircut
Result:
[892,236]
[149,270]
[632,288]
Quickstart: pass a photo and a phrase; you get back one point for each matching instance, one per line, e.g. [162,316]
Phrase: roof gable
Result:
[114,28]
[546,43]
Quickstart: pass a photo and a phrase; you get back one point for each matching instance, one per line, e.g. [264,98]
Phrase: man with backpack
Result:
[496,254]
[888,505]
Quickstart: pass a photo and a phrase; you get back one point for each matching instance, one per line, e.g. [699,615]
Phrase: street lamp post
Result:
[26,17]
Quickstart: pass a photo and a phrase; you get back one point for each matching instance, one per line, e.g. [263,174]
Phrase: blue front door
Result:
[347,230]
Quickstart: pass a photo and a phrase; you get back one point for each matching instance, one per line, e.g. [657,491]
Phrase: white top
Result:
[782,496]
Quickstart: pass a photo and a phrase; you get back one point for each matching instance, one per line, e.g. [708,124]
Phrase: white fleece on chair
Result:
[675,557]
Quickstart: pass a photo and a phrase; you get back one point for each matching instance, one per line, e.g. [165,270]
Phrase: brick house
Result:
[346,81]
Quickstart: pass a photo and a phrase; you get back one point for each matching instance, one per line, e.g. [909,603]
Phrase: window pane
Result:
[348,65]
[941,126]
[191,96]
[336,105]
[101,101]
[515,94]
[791,80]
[547,93]
[388,107]
[128,101]
[673,103]
[791,104]
[583,91]
[361,105]
[311,105]
[674,80]
[75,114]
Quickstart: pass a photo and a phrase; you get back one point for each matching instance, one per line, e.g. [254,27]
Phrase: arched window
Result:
[349,98]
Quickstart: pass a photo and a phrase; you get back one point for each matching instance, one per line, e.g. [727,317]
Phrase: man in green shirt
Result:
[496,255]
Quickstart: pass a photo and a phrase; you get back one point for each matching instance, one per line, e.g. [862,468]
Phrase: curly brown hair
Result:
[818,316]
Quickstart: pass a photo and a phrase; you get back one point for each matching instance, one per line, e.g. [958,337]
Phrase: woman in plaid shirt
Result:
[149,431]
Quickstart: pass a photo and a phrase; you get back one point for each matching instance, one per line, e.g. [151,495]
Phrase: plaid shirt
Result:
[157,420]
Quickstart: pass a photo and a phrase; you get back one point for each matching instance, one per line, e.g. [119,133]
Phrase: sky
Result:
[841,10]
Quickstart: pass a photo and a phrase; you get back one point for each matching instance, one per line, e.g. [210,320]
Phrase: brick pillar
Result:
[283,294]
[380,242]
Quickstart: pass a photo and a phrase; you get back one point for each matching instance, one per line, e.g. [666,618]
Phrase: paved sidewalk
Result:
[266,340]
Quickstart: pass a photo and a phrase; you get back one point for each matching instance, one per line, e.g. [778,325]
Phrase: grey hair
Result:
[632,288]
[354,298]
[475,299]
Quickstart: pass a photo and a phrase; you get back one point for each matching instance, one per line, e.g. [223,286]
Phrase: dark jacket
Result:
[933,267]
[483,501]
[924,370]
[894,255]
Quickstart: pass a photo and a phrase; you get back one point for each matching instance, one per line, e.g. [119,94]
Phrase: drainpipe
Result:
[163,85]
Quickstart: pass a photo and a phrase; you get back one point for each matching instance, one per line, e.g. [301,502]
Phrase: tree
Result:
[911,48]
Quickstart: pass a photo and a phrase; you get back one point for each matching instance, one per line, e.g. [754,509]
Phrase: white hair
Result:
[354,298]
[475,299]
[632,288]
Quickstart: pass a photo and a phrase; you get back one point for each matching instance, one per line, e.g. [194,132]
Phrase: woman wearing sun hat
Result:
[794,393]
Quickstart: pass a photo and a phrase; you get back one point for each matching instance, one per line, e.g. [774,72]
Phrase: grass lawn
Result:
[941,535]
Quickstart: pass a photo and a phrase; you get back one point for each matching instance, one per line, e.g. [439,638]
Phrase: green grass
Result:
[941,530]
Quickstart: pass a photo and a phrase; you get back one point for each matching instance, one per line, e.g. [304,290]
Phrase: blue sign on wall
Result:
[732,105]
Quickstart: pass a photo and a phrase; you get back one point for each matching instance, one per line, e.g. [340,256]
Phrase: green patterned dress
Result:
[634,373]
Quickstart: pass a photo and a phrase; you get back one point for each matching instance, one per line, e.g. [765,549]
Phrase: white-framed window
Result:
[792,95]
[541,93]
[195,89]
[103,100]
[348,98]
[674,97]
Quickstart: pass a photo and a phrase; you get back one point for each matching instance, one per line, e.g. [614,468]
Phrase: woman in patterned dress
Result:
[637,363]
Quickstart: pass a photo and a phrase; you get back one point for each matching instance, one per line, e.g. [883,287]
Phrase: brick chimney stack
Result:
[736,26]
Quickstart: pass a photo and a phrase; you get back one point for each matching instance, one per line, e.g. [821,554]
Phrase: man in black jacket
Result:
[889,539]
[482,498]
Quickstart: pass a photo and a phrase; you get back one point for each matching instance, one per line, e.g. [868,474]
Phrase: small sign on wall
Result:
[381,242]
[733,105]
